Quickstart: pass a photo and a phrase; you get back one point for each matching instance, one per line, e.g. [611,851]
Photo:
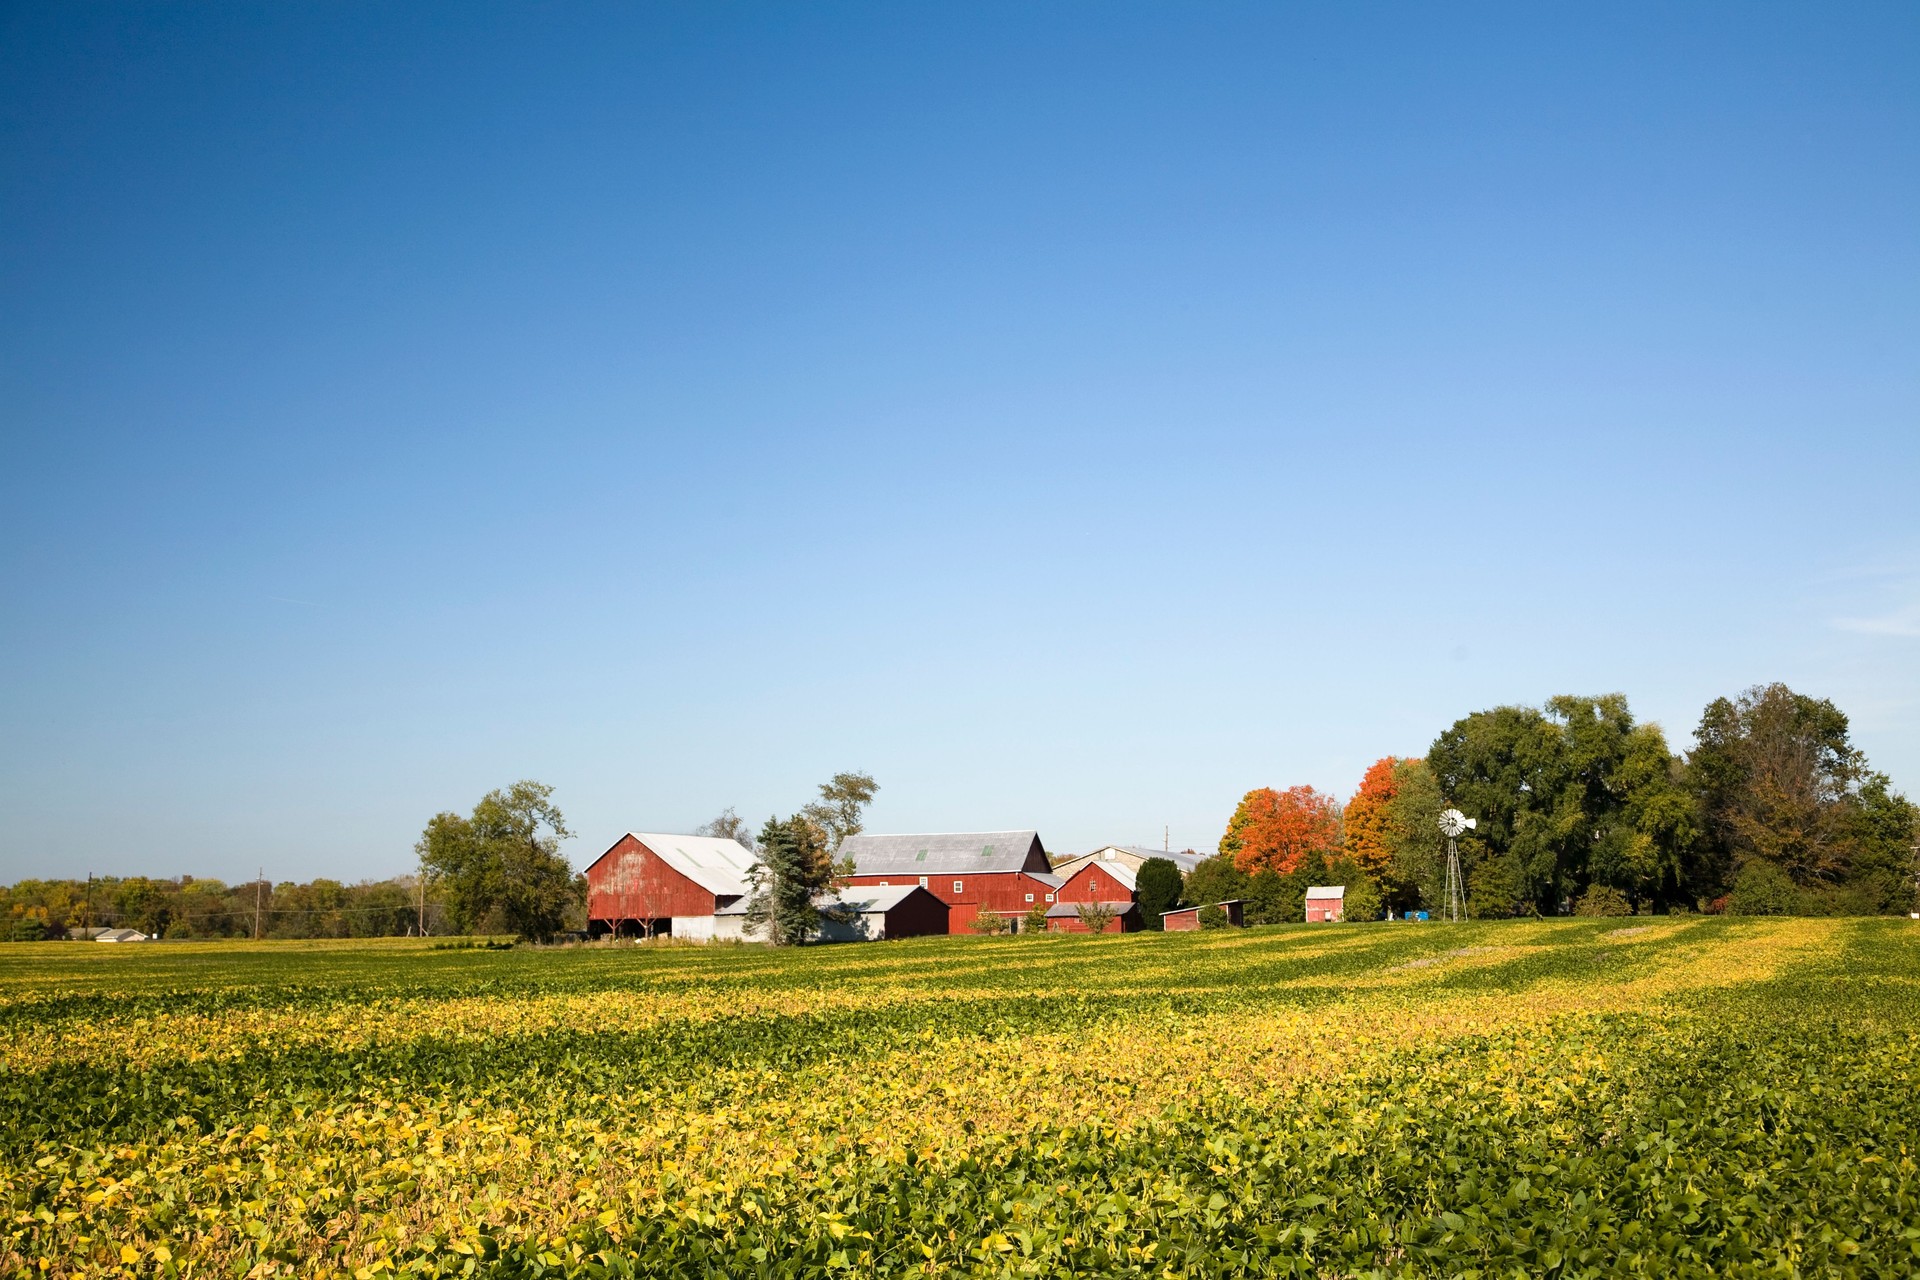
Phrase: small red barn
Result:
[1187,919]
[1326,903]
[1064,917]
[648,884]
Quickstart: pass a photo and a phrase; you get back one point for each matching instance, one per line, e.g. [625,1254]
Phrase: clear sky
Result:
[1072,414]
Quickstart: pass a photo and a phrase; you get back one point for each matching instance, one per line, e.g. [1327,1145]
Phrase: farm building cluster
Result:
[902,886]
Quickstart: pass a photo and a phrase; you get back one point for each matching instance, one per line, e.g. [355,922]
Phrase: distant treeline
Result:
[193,908]
[1581,809]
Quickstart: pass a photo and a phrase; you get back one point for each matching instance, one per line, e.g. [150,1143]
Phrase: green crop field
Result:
[1657,1097]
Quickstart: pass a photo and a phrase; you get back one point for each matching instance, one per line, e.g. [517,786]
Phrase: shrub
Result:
[1035,919]
[1602,900]
[1363,900]
[1763,889]
[1214,918]
[1097,916]
[991,922]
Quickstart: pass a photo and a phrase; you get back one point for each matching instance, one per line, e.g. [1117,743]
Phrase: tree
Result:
[502,865]
[786,880]
[1277,830]
[728,826]
[1778,780]
[1214,879]
[1156,887]
[1035,919]
[1412,835]
[839,810]
[1567,794]
[1098,917]
[1369,818]
[1363,900]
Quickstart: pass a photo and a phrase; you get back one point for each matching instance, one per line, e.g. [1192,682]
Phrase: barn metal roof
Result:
[1120,871]
[1060,910]
[949,853]
[716,864]
[1183,859]
[864,899]
[1327,891]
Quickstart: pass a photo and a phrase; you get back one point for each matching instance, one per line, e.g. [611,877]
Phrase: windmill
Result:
[1453,825]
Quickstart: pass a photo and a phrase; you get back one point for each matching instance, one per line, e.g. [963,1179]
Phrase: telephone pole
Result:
[423,898]
[259,900]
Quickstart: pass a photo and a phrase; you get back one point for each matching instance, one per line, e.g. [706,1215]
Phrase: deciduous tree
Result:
[1277,830]
[502,864]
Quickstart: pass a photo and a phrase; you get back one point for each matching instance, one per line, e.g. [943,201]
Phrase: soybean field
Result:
[1670,1096]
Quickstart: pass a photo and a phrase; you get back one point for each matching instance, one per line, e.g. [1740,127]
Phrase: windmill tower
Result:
[1453,825]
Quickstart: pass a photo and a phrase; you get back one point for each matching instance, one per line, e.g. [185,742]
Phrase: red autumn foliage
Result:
[1276,830]
[1366,833]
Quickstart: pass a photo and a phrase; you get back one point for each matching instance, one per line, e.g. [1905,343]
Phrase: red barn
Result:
[1187,919]
[1108,883]
[649,884]
[1099,882]
[1002,871]
[1064,917]
[1326,902]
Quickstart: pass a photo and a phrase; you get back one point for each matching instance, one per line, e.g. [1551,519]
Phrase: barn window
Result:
[957,888]
[923,882]
[883,884]
[1049,897]
[1029,897]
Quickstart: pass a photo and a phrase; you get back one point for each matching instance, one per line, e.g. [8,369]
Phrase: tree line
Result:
[188,907]
[1583,810]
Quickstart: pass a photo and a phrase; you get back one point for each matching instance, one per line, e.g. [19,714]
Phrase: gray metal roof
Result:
[1060,910]
[949,853]
[1185,860]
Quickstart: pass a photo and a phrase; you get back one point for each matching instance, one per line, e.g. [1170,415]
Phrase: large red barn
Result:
[650,884]
[973,871]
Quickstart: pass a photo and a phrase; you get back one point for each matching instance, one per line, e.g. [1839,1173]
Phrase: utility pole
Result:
[1915,914]
[86,911]
[1166,840]
[259,900]
[423,897]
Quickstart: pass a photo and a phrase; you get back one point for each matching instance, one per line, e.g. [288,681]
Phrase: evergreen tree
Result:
[1156,888]
[791,874]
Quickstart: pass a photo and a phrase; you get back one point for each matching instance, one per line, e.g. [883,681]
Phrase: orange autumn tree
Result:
[1368,830]
[1276,830]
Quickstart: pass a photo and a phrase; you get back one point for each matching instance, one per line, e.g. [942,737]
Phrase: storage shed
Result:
[647,884]
[855,915]
[1064,917]
[1326,903]
[1187,919]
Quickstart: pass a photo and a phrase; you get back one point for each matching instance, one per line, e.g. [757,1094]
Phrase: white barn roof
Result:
[716,864]
[947,853]
[1327,891]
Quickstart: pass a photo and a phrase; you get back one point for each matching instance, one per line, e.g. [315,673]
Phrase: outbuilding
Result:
[1187,919]
[1326,903]
[1064,917]
[854,915]
[648,884]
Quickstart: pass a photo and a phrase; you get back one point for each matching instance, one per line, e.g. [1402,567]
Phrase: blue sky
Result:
[1074,415]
